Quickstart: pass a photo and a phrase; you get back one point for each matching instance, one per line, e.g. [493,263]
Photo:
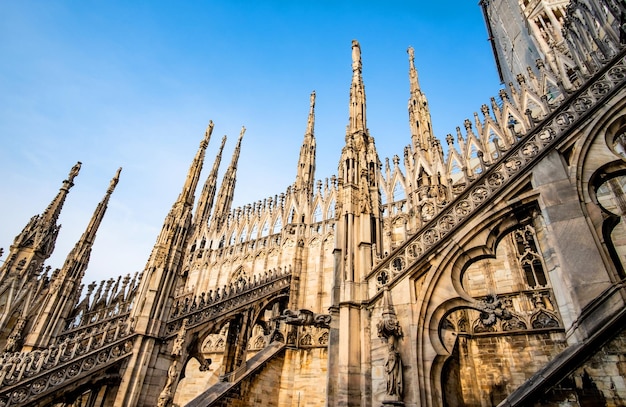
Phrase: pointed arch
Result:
[383,196]
[399,192]
[265,229]
[551,90]
[456,171]
[317,213]
[472,159]
[292,215]
[514,121]
[254,231]
[532,102]
[330,212]
[278,225]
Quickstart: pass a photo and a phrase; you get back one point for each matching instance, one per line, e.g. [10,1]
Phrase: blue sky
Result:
[134,84]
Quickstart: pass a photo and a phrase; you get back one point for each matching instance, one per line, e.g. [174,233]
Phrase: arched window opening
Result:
[529,258]
[265,229]
[398,192]
[253,232]
[474,160]
[292,215]
[330,214]
[278,225]
[317,214]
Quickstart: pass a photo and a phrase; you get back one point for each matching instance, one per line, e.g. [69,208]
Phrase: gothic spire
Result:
[41,232]
[357,94]
[53,210]
[205,202]
[64,292]
[305,177]
[311,122]
[227,189]
[180,213]
[357,242]
[162,271]
[413,79]
[359,193]
[78,259]
[37,240]
[419,113]
[186,197]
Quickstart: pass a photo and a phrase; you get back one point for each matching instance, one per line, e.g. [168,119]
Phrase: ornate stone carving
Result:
[226,299]
[525,149]
[491,309]
[15,338]
[177,348]
[165,397]
[305,317]
[390,331]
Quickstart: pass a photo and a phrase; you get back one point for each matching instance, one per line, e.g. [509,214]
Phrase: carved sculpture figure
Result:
[166,394]
[491,308]
[14,339]
[356,56]
[393,368]
[305,317]
[177,348]
[389,330]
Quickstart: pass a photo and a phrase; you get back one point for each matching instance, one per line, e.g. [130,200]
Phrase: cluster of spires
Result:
[22,277]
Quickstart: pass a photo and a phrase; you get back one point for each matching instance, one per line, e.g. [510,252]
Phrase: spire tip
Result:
[356,56]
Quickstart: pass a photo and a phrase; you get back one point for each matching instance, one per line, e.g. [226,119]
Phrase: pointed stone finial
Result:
[114,181]
[74,172]
[207,134]
[356,56]
[414,82]
[311,120]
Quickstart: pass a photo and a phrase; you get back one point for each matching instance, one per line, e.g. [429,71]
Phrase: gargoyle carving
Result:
[305,317]
[491,308]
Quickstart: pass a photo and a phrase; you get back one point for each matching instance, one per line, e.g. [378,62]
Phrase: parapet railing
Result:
[206,306]
[511,164]
[26,377]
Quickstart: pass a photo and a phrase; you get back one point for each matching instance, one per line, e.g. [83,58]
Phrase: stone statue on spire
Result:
[114,181]
[74,172]
[356,56]
[412,71]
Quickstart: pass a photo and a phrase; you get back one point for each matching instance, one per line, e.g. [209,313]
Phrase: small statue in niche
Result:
[390,331]
[177,347]
[165,397]
[393,368]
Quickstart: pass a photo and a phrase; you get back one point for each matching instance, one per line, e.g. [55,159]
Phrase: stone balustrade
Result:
[201,308]
[29,375]
[511,164]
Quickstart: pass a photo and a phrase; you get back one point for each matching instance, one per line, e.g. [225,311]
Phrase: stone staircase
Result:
[220,390]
